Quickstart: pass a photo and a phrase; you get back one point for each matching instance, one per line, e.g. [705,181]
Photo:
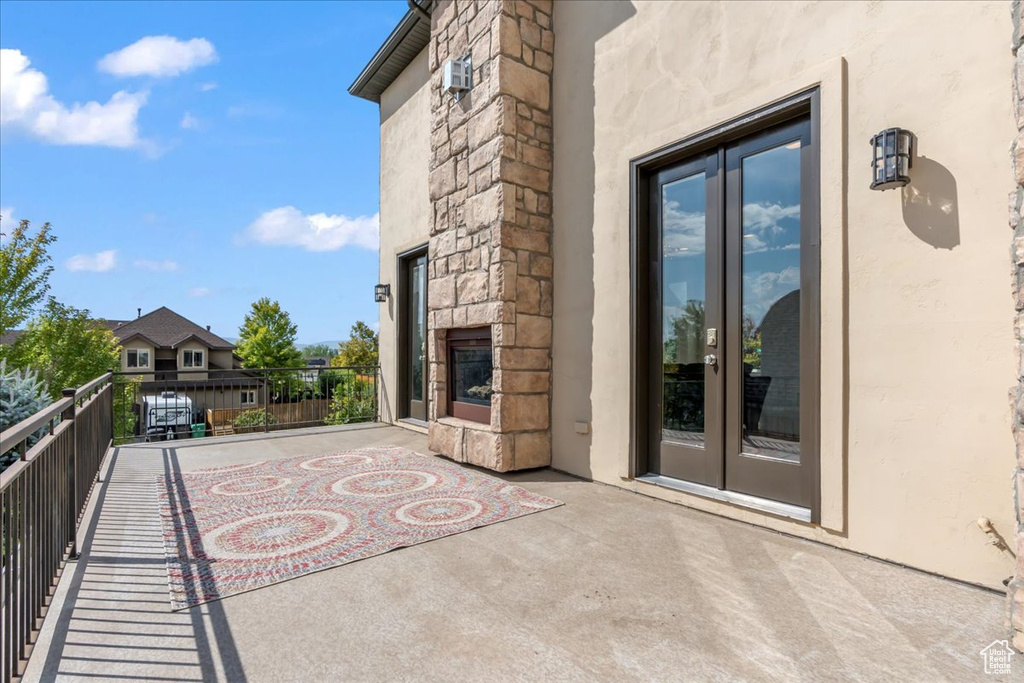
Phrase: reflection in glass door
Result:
[686,388]
[734,317]
[413,331]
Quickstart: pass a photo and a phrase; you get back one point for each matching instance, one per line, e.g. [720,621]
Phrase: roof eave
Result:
[361,86]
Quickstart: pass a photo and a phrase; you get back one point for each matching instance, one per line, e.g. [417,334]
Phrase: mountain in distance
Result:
[332,343]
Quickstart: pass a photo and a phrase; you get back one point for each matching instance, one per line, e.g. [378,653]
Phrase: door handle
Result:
[711,359]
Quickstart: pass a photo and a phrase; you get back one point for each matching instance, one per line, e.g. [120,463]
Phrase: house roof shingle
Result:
[166,329]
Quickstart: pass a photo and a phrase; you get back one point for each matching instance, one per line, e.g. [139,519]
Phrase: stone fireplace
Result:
[470,374]
[489,262]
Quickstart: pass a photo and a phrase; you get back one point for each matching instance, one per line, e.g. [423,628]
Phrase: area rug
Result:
[234,529]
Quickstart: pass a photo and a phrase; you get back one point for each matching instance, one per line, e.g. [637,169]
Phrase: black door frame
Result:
[403,340]
[642,172]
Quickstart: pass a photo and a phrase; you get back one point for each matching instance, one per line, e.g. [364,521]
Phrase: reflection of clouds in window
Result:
[684,230]
[763,229]
[761,290]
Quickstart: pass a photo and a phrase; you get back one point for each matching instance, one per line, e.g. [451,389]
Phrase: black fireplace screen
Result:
[470,370]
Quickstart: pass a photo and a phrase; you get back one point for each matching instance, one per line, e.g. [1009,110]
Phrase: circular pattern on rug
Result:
[382,483]
[247,486]
[273,534]
[337,461]
[439,511]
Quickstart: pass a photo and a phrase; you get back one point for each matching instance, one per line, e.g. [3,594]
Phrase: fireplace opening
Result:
[470,369]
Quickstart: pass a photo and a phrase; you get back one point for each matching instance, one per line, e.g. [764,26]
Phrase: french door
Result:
[733,267]
[413,337]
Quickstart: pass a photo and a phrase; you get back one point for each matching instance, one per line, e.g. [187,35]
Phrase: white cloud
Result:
[684,230]
[761,290]
[159,56]
[7,216]
[764,218]
[166,265]
[189,122]
[100,262]
[26,104]
[287,226]
[200,292]
[207,87]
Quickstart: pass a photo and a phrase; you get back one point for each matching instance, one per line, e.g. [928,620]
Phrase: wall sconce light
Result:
[892,157]
[458,76]
[381,293]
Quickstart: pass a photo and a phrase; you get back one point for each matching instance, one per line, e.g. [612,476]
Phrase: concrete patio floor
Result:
[610,586]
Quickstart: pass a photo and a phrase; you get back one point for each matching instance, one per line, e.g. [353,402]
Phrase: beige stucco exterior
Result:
[917,345]
[404,202]
[193,346]
[138,345]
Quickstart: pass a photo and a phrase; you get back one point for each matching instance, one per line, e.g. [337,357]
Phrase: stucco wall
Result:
[138,344]
[918,352]
[192,346]
[221,359]
[404,200]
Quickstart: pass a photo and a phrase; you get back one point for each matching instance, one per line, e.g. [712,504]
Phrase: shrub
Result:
[254,418]
[353,401]
[22,394]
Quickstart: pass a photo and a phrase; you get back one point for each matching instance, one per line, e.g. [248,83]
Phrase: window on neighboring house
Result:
[192,359]
[248,397]
[138,358]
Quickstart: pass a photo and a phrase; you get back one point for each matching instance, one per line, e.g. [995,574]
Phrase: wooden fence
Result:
[308,413]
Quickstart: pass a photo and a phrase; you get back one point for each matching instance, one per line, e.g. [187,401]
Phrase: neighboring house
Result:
[620,170]
[172,346]
[173,354]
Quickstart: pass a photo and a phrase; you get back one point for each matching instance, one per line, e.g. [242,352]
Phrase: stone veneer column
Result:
[1016,587]
[490,240]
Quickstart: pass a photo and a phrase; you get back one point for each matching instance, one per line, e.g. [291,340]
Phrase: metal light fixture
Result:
[457,77]
[892,157]
[381,293]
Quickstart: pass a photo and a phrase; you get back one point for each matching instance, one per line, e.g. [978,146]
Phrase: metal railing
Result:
[42,498]
[182,404]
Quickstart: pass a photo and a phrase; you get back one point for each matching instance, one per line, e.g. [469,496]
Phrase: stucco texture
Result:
[918,351]
[405,212]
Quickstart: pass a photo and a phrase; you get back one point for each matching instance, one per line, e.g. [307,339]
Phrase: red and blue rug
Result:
[235,529]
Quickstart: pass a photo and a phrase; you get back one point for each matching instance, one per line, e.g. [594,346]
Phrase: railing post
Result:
[266,400]
[69,415]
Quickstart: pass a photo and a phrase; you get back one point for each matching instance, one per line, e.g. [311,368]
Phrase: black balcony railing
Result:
[158,406]
[43,494]
[42,498]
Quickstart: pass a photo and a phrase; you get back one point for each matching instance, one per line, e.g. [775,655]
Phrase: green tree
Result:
[360,350]
[267,337]
[686,344]
[319,351]
[24,273]
[67,347]
[751,343]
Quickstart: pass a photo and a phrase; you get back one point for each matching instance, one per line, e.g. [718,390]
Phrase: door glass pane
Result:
[417,322]
[683,298]
[771,303]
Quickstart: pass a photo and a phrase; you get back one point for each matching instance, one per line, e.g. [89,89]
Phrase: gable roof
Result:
[401,47]
[10,337]
[166,329]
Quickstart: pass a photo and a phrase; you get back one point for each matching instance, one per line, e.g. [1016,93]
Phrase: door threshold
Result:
[414,421]
[772,507]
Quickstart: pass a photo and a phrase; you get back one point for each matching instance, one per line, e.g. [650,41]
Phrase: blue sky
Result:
[197,155]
